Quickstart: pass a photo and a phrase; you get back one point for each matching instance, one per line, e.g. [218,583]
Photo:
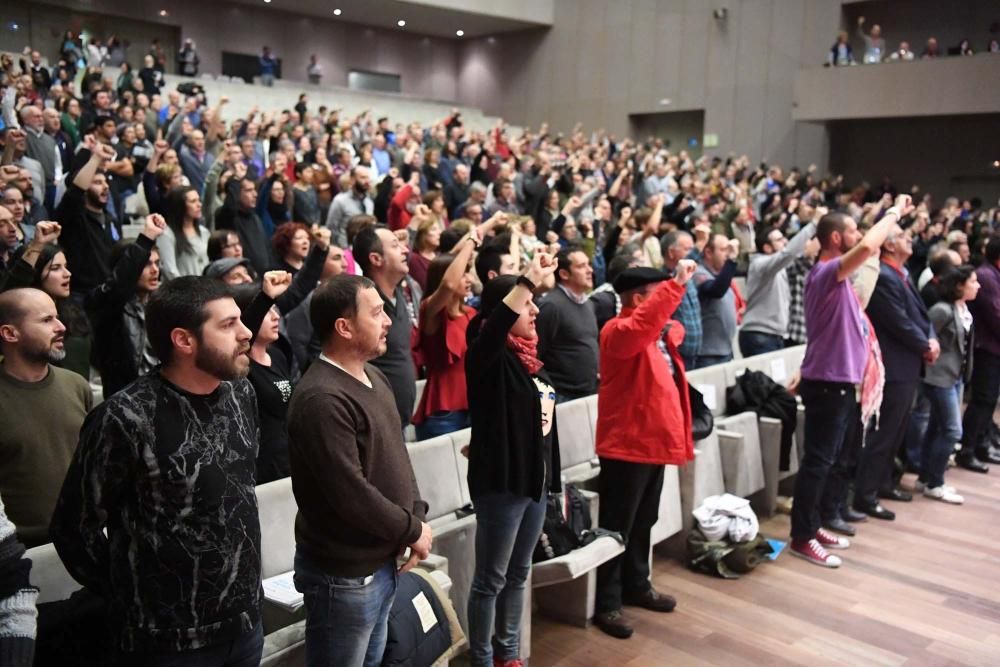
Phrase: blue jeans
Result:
[916,428]
[244,651]
[507,529]
[705,360]
[943,431]
[347,618]
[442,423]
[755,342]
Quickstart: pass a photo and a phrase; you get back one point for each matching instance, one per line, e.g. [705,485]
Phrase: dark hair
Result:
[618,263]
[180,304]
[950,283]
[357,223]
[764,238]
[70,313]
[992,253]
[449,239]
[563,262]
[283,236]
[217,242]
[435,272]
[494,292]
[174,211]
[940,263]
[334,299]
[490,258]
[366,243]
[828,224]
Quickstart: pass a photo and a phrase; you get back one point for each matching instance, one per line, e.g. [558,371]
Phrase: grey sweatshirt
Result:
[768,295]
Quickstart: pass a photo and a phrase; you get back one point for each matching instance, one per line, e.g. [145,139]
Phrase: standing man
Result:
[353,201]
[714,279]
[268,67]
[382,259]
[643,424]
[359,507]
[41,410]
[907,339]
[769,296]
[158,513]
[985,364]
[834,365]
[567,328]
[42,147]
[677,245]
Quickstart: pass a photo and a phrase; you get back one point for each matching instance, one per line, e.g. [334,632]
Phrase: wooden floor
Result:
[922,590]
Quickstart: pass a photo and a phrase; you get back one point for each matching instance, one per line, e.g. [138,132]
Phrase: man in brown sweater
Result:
[352,479]
[41,410]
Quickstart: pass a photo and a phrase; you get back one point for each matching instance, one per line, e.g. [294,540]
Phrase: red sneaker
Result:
[499,662]
[812,551]
[830,541]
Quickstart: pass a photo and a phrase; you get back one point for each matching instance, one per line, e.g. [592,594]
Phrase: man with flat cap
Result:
[643,424]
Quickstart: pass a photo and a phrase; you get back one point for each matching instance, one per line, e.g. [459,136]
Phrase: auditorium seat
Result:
[576,441]
[700,478]
[49,575]
[670,520]
[740,453]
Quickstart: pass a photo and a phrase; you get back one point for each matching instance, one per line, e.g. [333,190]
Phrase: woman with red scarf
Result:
[513,457]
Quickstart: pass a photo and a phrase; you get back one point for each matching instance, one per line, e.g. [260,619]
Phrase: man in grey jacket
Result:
[769,297]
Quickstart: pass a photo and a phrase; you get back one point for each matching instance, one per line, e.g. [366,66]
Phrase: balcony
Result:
[935,87]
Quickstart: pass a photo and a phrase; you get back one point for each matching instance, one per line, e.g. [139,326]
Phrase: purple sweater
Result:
[986,309]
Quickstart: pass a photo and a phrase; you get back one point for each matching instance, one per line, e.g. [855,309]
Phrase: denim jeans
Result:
[830,407]
[347,618]
[442,423]
[507,530]
[943,431]
[244,651]
[705,360]
[916,429]
[755,342]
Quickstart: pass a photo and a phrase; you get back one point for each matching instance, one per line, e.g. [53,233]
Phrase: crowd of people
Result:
[297,271]
[875,50]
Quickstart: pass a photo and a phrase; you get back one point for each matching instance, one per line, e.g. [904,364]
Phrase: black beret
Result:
[637,277]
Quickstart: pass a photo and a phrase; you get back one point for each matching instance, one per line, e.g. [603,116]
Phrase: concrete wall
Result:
[932,87]
[944,155]
[602,61]
[675,127]
[427,66]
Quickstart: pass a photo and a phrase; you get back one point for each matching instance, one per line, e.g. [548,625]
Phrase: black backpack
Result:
[567,524]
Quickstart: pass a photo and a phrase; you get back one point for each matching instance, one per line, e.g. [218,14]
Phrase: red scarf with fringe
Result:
[527,351]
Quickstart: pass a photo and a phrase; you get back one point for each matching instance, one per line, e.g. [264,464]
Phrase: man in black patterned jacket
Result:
[167,467]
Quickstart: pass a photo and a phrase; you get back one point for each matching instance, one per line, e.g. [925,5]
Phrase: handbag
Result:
[702,420]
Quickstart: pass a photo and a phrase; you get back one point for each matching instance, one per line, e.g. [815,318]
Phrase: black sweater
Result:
[506,453]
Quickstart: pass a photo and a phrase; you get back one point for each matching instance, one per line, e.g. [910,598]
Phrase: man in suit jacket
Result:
[907,340]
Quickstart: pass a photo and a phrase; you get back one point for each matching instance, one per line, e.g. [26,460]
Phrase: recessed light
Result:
[163,12]
[491,40]
[267,2]
[401,23]
[460,33]
[337,12]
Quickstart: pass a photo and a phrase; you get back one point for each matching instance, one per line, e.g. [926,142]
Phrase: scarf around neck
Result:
[526,351]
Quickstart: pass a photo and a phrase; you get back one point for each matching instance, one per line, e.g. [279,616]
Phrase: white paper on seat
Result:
[778,371]
[280,590]
[424,610]
[708,393]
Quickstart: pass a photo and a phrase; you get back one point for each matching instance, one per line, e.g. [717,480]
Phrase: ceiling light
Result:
[401,23]
[267,2]
[337,12]
[163,12]
[460,33]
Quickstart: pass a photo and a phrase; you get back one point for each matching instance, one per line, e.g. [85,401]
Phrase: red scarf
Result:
[527,351]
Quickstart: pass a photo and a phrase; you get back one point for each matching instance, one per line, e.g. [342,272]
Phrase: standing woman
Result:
[184,244]
[425,249]
[444,320]
[943,380]
[513,457]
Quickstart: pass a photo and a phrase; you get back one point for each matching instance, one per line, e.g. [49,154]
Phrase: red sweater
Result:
[399,217]
[644,412]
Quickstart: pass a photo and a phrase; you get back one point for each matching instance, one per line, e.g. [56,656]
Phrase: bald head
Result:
[13,303]
[29,326]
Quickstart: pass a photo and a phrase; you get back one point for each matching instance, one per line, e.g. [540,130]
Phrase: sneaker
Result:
[945,494]
[828,540]
[614,624]
[919,487]
[500,662]
[811,551]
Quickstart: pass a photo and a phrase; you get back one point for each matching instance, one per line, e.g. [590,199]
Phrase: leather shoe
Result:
[972,463]
[988,455]
[838,525]
[877,511]
[651,600]
[852,515]
[614,624]
[897,495]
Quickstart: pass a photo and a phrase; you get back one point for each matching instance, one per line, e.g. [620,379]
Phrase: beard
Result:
[221,365]
[94,200]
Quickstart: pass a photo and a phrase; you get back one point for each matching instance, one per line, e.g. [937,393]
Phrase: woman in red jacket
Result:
[643,424]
